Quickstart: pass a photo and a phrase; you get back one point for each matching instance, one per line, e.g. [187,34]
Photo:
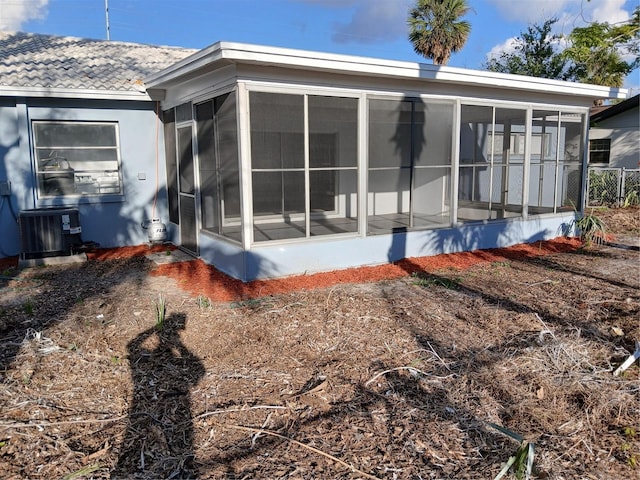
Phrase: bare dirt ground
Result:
[396,378]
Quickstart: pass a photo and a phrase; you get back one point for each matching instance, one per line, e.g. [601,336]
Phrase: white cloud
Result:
[14,13]
[508,46]
[611,11]
[572,13]
[371,21]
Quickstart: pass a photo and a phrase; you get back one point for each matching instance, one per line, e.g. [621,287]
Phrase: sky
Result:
[373,28]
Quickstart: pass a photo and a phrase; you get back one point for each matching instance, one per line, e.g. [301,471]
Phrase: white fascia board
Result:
[84,94]
[353,65]
[200,59]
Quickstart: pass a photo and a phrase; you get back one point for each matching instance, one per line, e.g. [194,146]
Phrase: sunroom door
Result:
[186,189]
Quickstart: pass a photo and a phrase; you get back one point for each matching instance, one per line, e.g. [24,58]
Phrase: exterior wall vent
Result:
[48,232]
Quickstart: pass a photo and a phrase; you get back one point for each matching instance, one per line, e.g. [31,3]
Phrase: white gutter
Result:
[353,65]
[42,92]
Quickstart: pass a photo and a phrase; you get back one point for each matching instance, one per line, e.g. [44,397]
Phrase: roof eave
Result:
[353,65]
[614,110]
[72,93]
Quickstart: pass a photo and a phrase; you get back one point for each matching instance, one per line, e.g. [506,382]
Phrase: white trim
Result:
[227,52]
[79,93]
[244,157]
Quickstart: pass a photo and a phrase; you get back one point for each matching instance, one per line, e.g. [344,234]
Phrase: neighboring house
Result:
[279,162]
[614,135]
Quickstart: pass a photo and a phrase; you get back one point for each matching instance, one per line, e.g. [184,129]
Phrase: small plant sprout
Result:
[28,306]
[521,463]
[160,307]
[203,302]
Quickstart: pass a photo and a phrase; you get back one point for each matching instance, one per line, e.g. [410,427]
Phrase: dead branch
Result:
[303,445]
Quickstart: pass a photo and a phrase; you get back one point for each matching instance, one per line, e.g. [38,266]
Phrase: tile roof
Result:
[47,61]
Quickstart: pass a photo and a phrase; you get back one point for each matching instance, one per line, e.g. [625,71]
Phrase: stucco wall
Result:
[625,145]
[112,221]
[326,254]
[623,130]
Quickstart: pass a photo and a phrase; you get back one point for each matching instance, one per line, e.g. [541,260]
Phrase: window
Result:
[77,158]
[219,170]
[409,164]
[599,150]
[555,172]
[492,146]
[304,159]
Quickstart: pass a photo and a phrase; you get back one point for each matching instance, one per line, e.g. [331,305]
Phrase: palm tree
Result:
[435,28]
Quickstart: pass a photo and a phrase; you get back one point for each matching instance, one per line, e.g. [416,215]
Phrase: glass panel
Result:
[227,143]
[569,187]
[389,133]
[509,135]
[60,135]
[183,113]
[571,143]
[168,118]
[334,206]
[207,161]
[432,133]
[267,193]
[322,190]
[79,159]
[278,193]
[476,149]
[333,131]
[570,162]
[277,130]
[431,197]
[388,200]
[475,140]
[185,159]
[85,160]
[278,205]
[542,171]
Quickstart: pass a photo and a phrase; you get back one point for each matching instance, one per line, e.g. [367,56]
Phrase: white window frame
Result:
[89,178]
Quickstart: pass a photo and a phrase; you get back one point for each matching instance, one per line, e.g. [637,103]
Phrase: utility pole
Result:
[106,14]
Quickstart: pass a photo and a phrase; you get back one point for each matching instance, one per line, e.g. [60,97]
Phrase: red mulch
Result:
[201,279]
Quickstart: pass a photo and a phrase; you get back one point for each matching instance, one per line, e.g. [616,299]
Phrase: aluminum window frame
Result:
[96,196]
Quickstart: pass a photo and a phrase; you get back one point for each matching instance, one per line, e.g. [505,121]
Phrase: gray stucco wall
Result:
[110,221]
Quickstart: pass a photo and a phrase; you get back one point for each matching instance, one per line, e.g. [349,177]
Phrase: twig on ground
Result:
[303,445]
[244,409]
[411,369]
[64,422]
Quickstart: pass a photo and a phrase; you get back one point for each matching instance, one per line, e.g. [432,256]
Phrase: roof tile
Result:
[47,61]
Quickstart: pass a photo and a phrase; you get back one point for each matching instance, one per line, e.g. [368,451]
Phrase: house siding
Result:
[110,220]
[623,130]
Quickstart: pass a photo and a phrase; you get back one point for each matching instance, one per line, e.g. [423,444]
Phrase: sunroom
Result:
[283,162]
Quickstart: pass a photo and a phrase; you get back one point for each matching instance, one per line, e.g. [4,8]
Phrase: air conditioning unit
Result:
[49,232]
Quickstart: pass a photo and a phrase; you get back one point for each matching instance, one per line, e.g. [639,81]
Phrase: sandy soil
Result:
[393,372]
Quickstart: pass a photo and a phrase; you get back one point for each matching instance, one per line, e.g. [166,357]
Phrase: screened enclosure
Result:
[304,164]
[427,164]
[409,171]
